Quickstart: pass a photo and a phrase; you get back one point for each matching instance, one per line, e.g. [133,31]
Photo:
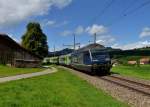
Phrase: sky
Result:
[121,24]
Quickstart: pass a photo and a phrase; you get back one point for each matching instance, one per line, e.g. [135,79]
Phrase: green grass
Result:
[8,71]
[142,72]
[61,89]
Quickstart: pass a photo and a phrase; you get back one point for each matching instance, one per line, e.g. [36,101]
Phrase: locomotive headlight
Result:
[107,59]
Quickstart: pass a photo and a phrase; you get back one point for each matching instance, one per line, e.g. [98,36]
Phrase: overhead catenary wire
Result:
[131,4]
[137,8]
[74,43]
[127,13]
[109,3]
[102,12]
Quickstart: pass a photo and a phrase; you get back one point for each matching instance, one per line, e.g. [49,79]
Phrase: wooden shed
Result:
[13,54]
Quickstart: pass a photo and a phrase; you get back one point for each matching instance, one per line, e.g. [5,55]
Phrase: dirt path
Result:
[29,75]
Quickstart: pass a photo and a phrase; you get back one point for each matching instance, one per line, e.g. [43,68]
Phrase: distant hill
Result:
[123,56]
[135,52]
[114,53]
[62,52]
[67,50]
[144,48]
[112,49]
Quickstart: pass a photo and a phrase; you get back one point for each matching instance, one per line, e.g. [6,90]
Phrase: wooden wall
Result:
[13,54]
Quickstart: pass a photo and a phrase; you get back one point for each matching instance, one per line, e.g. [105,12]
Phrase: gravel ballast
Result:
[132,98]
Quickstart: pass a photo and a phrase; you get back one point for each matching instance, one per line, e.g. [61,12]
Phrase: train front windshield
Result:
[100,56]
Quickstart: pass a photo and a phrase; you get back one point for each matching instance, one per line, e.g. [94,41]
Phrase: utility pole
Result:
[72,45]
[74,41]
[78,45]
[95,38]
[90,42]
[54,50]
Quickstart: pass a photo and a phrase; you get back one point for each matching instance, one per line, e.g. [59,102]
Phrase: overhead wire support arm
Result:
[74,43]
[74,40]
[54,50]
[95,38]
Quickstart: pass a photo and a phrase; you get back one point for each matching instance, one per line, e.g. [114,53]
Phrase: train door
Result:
[87,58]
[87,61]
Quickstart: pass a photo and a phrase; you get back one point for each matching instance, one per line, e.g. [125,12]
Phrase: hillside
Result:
[123,56]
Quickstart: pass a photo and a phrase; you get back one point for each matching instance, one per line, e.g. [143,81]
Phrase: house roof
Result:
[14,44]
[92,46]
[145,59]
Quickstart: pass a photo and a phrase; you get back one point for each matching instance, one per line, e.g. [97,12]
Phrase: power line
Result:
[108,5]
[102,12]
[124,11]
[124,15]
[130,5]
[74,43]
[54,50]
[137,8]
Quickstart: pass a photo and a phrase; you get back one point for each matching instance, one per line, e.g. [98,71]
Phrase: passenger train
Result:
[92,61]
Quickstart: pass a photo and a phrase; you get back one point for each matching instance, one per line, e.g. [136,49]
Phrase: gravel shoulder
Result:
[130,97]
[134,79]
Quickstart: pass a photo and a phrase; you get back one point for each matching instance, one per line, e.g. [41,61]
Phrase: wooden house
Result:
[132,62]
[13,54]
[144,61]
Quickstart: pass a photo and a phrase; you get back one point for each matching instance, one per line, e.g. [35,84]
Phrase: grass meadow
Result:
[142,72]
[60,89]
[9,71]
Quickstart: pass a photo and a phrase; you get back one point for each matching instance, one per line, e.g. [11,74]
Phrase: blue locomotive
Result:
[92,59]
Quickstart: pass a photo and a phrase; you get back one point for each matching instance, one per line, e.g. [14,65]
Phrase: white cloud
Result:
[66,33]
[79,30]
[105,40]
[61,3]
[50,23]
[138,44]
[61,24]
[102,34]
[98,29]
[12,12]
[145,32]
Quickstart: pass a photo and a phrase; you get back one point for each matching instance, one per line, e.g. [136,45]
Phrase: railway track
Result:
[127,83]
[130,84]
[125,92]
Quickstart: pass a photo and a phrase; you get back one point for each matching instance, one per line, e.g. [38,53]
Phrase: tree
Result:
[35,40]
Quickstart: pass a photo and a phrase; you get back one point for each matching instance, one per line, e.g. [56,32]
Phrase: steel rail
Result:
[123,84]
